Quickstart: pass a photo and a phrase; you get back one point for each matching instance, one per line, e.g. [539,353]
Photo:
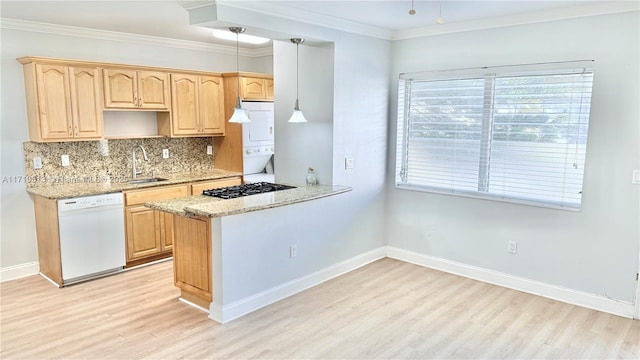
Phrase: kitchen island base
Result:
[235,264]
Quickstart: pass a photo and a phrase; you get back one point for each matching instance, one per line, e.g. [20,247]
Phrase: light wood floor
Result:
[388,309]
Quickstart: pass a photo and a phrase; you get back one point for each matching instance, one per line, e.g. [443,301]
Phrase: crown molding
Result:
[571,12]
[307,17]
[31,26]
[290,13]
[190,5]
[281,11]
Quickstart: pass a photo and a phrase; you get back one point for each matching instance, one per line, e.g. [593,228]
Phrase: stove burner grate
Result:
[237,191]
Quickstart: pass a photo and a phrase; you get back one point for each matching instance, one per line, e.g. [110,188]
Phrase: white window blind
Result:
[516,133]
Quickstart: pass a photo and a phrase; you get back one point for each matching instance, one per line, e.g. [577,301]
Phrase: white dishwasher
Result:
[91,236]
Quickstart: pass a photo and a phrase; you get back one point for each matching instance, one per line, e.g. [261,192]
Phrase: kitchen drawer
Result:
[196,188]
[136,197]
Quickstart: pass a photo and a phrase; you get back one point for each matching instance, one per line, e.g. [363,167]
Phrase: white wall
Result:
[595,250]
[358,118]
[17,235]
[304,145]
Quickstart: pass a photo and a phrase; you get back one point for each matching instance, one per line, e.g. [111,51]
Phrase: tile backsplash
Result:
[110,160]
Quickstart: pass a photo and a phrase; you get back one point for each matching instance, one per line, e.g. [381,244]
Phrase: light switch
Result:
[65,160]
[37,163]
[348,163]
[165,153]
[636,177]
[209,150]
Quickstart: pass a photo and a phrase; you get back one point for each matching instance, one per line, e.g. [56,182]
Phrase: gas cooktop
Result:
[237,191]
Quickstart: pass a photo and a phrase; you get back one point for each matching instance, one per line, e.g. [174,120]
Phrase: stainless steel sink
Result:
[146,180]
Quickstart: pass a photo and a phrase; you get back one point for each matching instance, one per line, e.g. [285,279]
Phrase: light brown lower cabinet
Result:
[192,249]
[192,259]
[149,232]
[166,231]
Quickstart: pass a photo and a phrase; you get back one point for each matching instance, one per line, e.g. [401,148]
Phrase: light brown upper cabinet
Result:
[257,89]
[269,89]
[136,89]
[197,105]
[63,101]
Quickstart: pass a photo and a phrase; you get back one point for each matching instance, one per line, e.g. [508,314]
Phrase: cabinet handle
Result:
[135,102]
[70,131]
[76,128]
[139,102]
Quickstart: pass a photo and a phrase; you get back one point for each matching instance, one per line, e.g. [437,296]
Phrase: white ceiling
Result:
[169,19]
[394,14]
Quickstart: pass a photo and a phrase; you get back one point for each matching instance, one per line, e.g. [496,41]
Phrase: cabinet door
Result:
[211,104]
[143,232]
[184,108]
[86,102]
[254,89]
[153,90]
[54,106]
[192,255]
[139,197]
[120,89]
[166,230]
[269,89]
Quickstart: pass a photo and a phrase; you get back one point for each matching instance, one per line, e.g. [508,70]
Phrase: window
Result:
[514,133]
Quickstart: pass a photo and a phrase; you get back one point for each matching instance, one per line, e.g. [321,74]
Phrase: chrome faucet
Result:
[134,172]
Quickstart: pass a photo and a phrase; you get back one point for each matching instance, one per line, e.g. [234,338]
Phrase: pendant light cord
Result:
[238,63]
[297,72]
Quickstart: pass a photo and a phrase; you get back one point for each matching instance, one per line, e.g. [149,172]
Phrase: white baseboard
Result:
[570,296]
[249,304]
[19,271]
[257,301]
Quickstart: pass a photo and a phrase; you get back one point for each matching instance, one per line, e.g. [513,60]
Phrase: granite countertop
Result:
[200,205]
[105,186]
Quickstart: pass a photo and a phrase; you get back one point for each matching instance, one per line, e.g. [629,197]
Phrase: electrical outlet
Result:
[293,251]
[209,150]
[348,163]
[65,160]
[37,163]
[512,247]
[165,153]
[636,177]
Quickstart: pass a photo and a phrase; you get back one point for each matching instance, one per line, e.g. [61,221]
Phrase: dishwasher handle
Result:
[62,213]
[88,202]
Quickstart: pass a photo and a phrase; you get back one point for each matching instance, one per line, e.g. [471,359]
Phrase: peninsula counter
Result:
[230,256]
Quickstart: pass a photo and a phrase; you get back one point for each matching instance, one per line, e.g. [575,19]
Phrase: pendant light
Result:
[440,20]
[296,116]
[239,115]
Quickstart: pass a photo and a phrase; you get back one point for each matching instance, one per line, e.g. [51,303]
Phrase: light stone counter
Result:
[200,205]
[69,188]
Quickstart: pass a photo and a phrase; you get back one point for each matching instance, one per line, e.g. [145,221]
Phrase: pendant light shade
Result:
[297,116]
[239,115]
